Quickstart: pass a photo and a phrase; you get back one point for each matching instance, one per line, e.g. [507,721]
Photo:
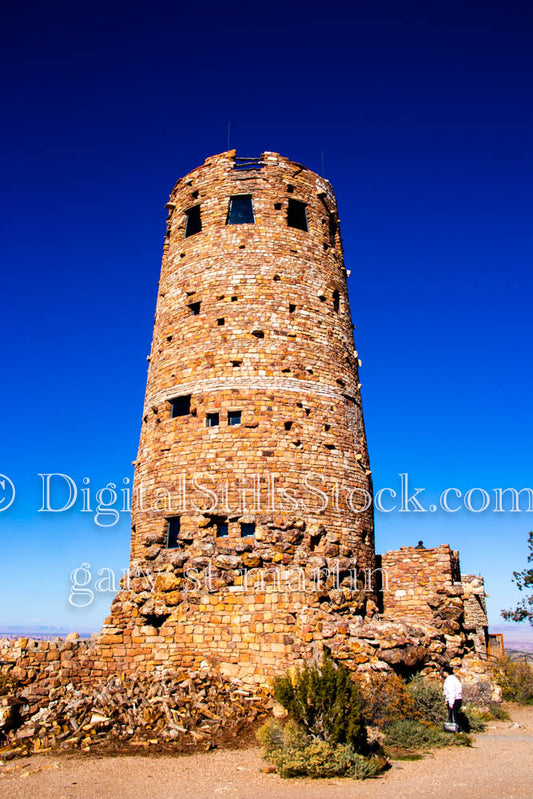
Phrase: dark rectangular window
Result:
[195,308]
[247,528]
[296,215]
[213,420]
[173,531]
[241,210]
[336,301]
[234,418]
[332,229]
[292,308]
[194,221]
[222,529]
[181,406]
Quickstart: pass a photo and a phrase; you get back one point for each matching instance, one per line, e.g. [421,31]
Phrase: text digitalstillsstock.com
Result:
[205,493]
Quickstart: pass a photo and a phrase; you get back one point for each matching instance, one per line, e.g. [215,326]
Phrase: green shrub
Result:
[270,736]
[385,698]
[412,734]
[475,718]
[295,754]
[322,759]
[497,712]
[324,700]
[515,677]
[294,736]
[428,699]
[317,759]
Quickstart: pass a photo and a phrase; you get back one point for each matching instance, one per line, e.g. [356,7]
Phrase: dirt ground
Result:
[498,766]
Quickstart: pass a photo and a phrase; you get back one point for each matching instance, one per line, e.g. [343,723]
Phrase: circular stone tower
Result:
[253,449]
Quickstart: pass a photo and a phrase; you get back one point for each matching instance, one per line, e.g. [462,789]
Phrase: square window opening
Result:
[181,406]
[213,419]
[221,322]
[297,215]
[194,221]
[292,308]
[173,531]
[222,529]
[247,529]
[241,210]
[234,418]
[195,308]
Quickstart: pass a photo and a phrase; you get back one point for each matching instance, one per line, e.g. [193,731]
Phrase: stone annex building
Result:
[252,524]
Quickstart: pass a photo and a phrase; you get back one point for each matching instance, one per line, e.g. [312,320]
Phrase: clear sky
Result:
[423,113]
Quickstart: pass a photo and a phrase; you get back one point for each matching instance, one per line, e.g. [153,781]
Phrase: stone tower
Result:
[252,422]
[252,521]
[252,527]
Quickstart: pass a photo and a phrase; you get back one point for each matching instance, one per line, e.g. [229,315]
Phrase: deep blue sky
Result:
[424,114]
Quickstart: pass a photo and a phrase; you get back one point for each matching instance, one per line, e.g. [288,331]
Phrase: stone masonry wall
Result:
[411,576]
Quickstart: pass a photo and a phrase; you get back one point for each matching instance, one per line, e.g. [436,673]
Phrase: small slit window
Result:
[332,229]
[173,531]
[234,418]
[222,530]
[241,210]
[247,529]
[195,308]
[194,221]
[213,419]
[336,301]
[297,215]
[180,406]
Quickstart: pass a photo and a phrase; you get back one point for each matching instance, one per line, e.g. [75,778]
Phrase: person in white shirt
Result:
[453,692]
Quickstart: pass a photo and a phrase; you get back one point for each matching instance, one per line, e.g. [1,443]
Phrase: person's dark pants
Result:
[452,711]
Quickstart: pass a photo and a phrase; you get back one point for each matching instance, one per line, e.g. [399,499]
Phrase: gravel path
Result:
[498,766]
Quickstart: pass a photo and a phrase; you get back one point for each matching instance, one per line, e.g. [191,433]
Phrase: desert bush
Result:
[476,716]
[515,677]
[412,734]
[472,718]
[428,699]
[322,759]
[324,700]
[497,712]
[270,736]
[295,754]
[385,698]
